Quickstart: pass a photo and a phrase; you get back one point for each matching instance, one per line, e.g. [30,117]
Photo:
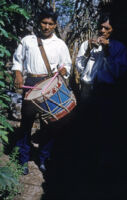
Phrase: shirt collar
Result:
[53,38]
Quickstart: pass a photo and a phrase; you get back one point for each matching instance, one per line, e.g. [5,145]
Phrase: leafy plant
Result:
[9,172]
[9,178]
[7,12]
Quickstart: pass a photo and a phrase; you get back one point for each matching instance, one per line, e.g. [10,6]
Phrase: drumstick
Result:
[31,87]
[34,87]
[50,82]
[52,79]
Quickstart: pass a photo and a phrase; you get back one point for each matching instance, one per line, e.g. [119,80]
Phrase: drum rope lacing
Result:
[47,114]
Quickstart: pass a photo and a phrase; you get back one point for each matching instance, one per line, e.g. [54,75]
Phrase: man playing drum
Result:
[28,57]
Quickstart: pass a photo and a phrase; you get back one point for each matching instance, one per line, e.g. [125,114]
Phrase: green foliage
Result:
[3,50]
[9,178]
[11,171]
[16,8]
[6,177]
[7,14]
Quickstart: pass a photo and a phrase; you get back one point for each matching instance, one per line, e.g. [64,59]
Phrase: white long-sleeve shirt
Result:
[28,56]
[85,65]
[106,69]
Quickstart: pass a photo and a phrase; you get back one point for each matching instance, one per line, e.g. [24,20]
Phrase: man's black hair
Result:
[47,13]
[104,16]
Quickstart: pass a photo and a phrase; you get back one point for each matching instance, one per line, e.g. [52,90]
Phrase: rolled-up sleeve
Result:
[18,57]
[81,59]
[65,59]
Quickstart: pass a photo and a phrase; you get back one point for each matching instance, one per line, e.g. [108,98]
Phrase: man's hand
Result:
[103,41]
[105,44]
[18,79]
[62,71]
[91,43]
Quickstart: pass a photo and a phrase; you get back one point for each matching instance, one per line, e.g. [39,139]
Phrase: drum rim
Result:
[36,85]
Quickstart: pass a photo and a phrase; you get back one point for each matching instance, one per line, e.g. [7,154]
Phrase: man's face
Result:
[105,30]
[47,27]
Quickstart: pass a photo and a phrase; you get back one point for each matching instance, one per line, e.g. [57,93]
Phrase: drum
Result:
[52,102]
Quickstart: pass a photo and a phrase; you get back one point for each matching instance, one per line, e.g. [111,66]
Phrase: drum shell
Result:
[56,102]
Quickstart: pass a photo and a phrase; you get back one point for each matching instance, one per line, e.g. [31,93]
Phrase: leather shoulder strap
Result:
[44,56]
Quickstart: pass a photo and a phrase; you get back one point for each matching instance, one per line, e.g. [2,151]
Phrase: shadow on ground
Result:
[84,167]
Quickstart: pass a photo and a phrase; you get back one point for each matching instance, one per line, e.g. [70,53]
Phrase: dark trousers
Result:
[102,109]
[102,119]
[29,112]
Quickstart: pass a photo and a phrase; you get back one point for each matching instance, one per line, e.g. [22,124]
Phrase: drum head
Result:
[42,87]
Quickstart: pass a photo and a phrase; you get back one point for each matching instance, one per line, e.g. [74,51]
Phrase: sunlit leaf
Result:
[2,84]
[2,22]
[2,2]
[3,32]
[16,8]
[6,177]
[4,96]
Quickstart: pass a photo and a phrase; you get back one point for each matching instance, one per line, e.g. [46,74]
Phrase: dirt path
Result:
[32,184]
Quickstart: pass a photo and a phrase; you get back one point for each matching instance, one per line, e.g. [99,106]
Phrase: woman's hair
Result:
[47,13]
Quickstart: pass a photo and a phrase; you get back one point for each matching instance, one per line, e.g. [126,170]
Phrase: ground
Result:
[82,167]
[32,184]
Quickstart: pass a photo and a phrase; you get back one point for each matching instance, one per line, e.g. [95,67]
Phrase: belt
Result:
[37,75]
